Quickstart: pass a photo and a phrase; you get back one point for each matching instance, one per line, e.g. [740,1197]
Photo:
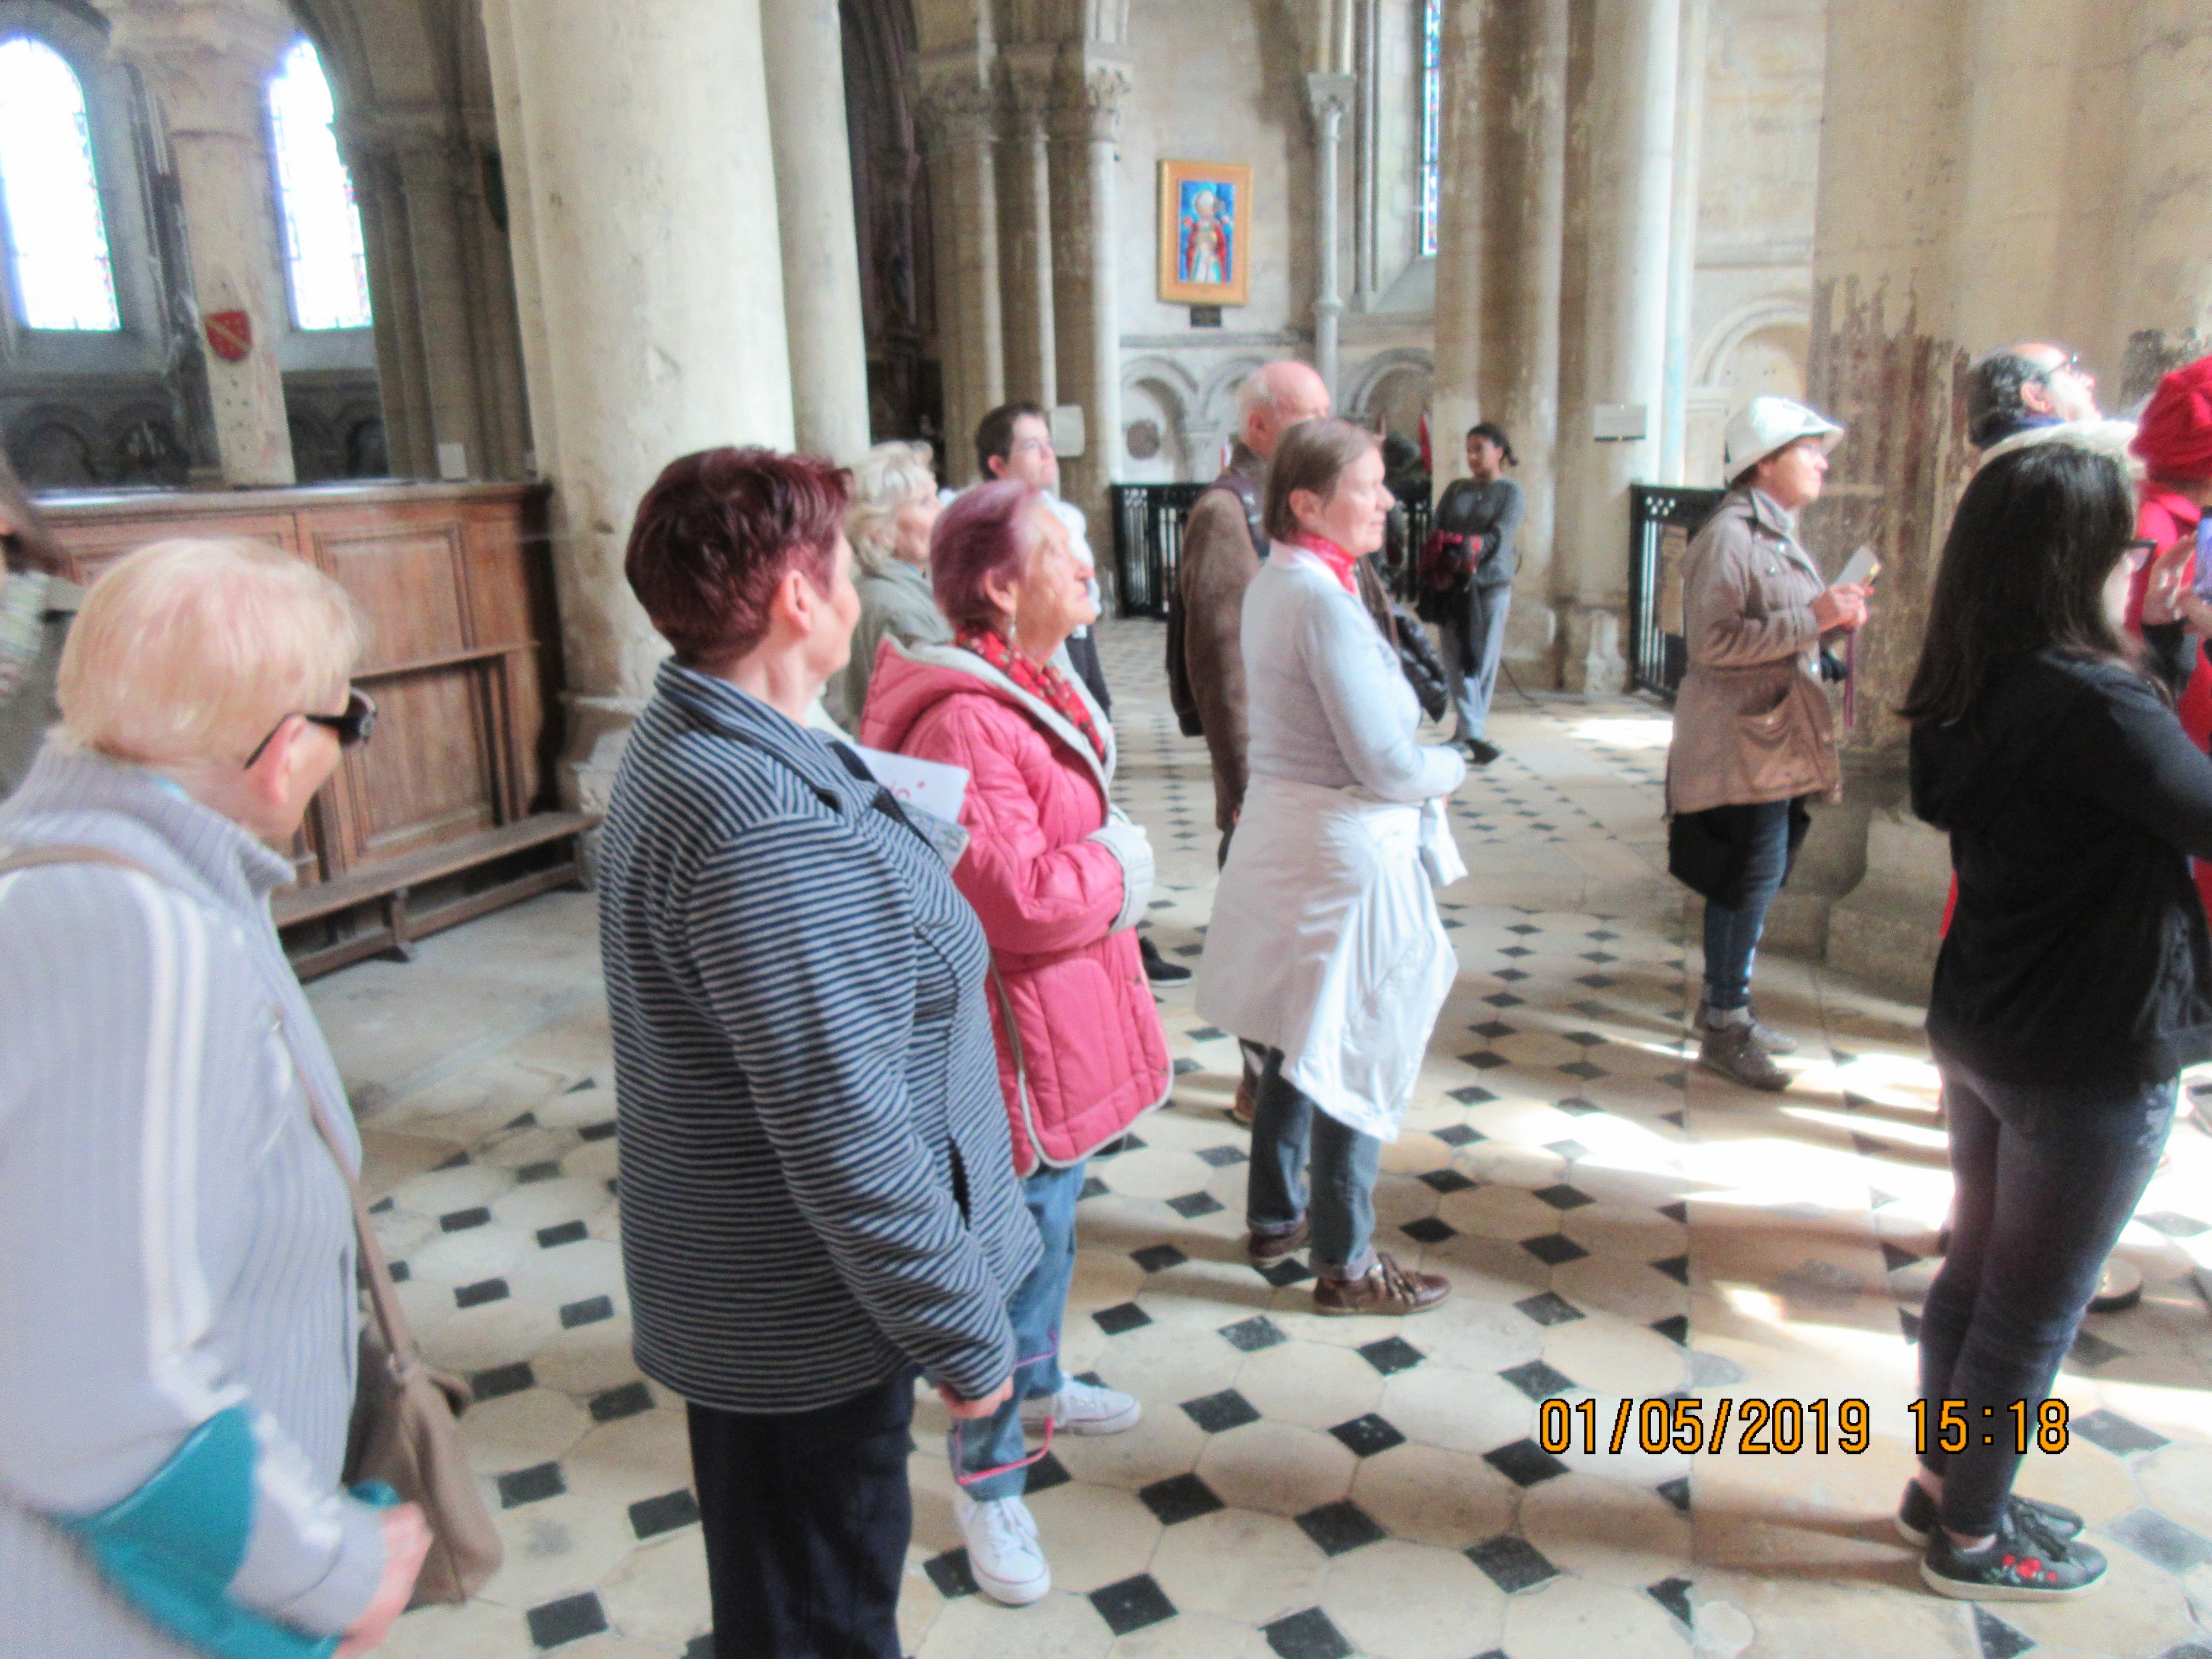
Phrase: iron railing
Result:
[1661,518]
[1148,526]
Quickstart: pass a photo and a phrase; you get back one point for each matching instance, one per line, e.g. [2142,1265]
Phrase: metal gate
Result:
[1662,519]
[1148,526]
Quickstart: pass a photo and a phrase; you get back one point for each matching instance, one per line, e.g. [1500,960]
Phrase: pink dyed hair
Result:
[983,534]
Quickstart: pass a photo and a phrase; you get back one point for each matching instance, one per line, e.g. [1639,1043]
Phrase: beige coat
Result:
[1752,721]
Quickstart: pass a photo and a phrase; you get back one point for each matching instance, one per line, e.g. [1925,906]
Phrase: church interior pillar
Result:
[801,40]
[1624,320]
[1086,289]
[957,111]
[1025,204]
[1673,417]
[2164,247]
[208,66]
[1329,94]
[651,290]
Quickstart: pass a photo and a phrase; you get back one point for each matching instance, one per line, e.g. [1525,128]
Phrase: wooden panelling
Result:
[456,583]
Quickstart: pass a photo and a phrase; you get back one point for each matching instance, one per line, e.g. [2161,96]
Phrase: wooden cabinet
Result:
[455,582]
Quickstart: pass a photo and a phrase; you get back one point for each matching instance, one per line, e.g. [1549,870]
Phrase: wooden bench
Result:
[387,885]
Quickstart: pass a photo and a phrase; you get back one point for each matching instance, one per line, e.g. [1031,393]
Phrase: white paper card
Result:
[932,786]
[1861,570]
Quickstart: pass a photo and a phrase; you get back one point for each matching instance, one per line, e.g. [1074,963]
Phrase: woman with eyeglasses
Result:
[2075,984]
[178,1317]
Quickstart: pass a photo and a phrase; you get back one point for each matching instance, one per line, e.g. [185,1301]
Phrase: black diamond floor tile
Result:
[503,1379]
[628,1400]
[1251,1335]
[1458,1134]
[1186,1065]
[569,1232]
[1221,1156]
[1563,1197]
[1673,1595]
[1121,1317]
[1340,1528]
[1191,1205]
[1676,1328]
[1676,1267]
[1473,1095]
[589,1311]
[1444,1181]
[571,1619]
[2115,1434]
[1132,1604]
[531,1173]
[462,1220]
[1585,1071]
[1308,1635]
[1485,1061]
[1512,1563]
[1549,1308]
[1569,1150]
[2163,1542]
[599,1131]
[1677,1493]
[1159,1258]
[1524,1464]
[1391,1354]
[1553,1249]
[1044,1475]
[2091,1349]
[475,1295]
[1180,1498]
[1576,1106]
[649,1517]
[950,1573]
[1366,1435]
[1217,1414]
[1289,1271]
[1429,1231]
[1997,1639]
[400,1272]
[531,1485]
[1538,1380]
[1207,1034]
[1677,1211]
[1092,1187]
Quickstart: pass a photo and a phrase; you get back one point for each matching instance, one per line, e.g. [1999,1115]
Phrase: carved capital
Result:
[953,97]
[1330,97]
[1090,94]
[1029,74]
[206,60]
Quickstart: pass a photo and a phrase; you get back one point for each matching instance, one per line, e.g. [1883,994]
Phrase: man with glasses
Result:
[2025,386]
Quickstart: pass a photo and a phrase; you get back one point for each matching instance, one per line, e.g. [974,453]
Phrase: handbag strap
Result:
[390,1318]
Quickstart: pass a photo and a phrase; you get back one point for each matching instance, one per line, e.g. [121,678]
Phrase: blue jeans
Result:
[1288,1130]
[1732,936]
[1485,629]
[1035,1309]
[2046,1176]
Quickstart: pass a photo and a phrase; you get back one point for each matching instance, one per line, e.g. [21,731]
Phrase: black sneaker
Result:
[1157,968]
[1917,1516]
[2025,1563]
[1481,753]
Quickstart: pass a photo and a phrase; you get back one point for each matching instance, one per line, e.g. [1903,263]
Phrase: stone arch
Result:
[1392,387]
[1160,390]
[1776,311]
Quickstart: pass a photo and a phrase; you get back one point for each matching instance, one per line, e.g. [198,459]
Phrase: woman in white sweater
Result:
[1325,943]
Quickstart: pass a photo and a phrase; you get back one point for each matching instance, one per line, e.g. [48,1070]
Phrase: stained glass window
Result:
[323,249]
[56,231]
[1432,90]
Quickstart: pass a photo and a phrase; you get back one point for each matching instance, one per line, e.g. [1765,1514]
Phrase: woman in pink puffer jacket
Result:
[1059,878]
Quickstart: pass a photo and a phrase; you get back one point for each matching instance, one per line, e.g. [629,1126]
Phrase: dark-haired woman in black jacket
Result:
[2074,983]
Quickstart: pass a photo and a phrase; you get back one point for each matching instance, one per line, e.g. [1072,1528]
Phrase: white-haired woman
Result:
[178,1318]
[893,507]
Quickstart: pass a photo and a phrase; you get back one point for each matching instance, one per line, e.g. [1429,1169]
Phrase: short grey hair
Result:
[1255,392]
[884,480]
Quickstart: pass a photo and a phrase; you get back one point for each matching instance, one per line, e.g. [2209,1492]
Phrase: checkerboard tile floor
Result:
[1618,1227]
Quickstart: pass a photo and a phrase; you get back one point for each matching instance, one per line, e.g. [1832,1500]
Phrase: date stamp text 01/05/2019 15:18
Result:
[1765,1427]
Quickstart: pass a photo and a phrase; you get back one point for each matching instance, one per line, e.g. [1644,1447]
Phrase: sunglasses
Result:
[353,726]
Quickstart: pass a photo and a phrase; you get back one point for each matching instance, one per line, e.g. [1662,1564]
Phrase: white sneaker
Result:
[1003,1554]
[1083,1408]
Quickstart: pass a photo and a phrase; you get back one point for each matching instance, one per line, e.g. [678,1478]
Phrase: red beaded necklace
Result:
[1041,680]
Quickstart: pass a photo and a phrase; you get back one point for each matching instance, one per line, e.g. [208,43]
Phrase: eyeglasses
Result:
[2071,366]
[353,726]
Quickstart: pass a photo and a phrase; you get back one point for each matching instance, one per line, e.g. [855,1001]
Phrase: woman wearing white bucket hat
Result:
[1752,735]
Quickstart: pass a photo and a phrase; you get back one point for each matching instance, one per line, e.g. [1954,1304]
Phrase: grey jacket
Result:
[898,603]
[1751,721]
[175,1240]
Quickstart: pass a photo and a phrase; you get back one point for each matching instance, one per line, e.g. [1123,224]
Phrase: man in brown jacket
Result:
[1222,547]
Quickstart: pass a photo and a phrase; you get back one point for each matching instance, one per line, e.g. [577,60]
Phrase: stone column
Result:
[1682,238]
[1366,233]
[802,42]
[1503,197]
[957,114]
[2164,267]
[208,65]
[1630,191]
[1329,95]
[1032,343]
[1086,292]
[640,186]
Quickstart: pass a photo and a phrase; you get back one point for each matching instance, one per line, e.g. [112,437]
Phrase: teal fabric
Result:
[172,1547]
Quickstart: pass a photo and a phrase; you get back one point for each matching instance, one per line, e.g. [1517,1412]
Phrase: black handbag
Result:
[1416,657]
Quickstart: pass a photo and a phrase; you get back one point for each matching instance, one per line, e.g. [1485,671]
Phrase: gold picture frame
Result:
[1205,233]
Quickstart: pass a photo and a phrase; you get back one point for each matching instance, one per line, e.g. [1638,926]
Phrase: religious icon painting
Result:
[1205,233]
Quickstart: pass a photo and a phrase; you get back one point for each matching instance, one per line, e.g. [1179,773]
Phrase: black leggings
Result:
[2046,1176]
[806,1519]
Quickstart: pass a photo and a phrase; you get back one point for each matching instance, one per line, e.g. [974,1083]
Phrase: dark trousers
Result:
[1474,647]
[1083,654]
[1732,933]
[807,1518]
[1289,1133]
[2046,1176]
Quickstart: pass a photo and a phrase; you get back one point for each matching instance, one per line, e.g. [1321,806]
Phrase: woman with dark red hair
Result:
[1059,878]
[817,1193]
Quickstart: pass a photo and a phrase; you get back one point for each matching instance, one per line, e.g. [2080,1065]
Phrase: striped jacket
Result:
[816,1185]
[176,1245]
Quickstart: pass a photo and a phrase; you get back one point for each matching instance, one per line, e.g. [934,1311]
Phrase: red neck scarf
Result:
[1334,557]
[1041,680]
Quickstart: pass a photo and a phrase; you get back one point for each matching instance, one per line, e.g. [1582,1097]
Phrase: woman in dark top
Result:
[2074,983]
[1468,580]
